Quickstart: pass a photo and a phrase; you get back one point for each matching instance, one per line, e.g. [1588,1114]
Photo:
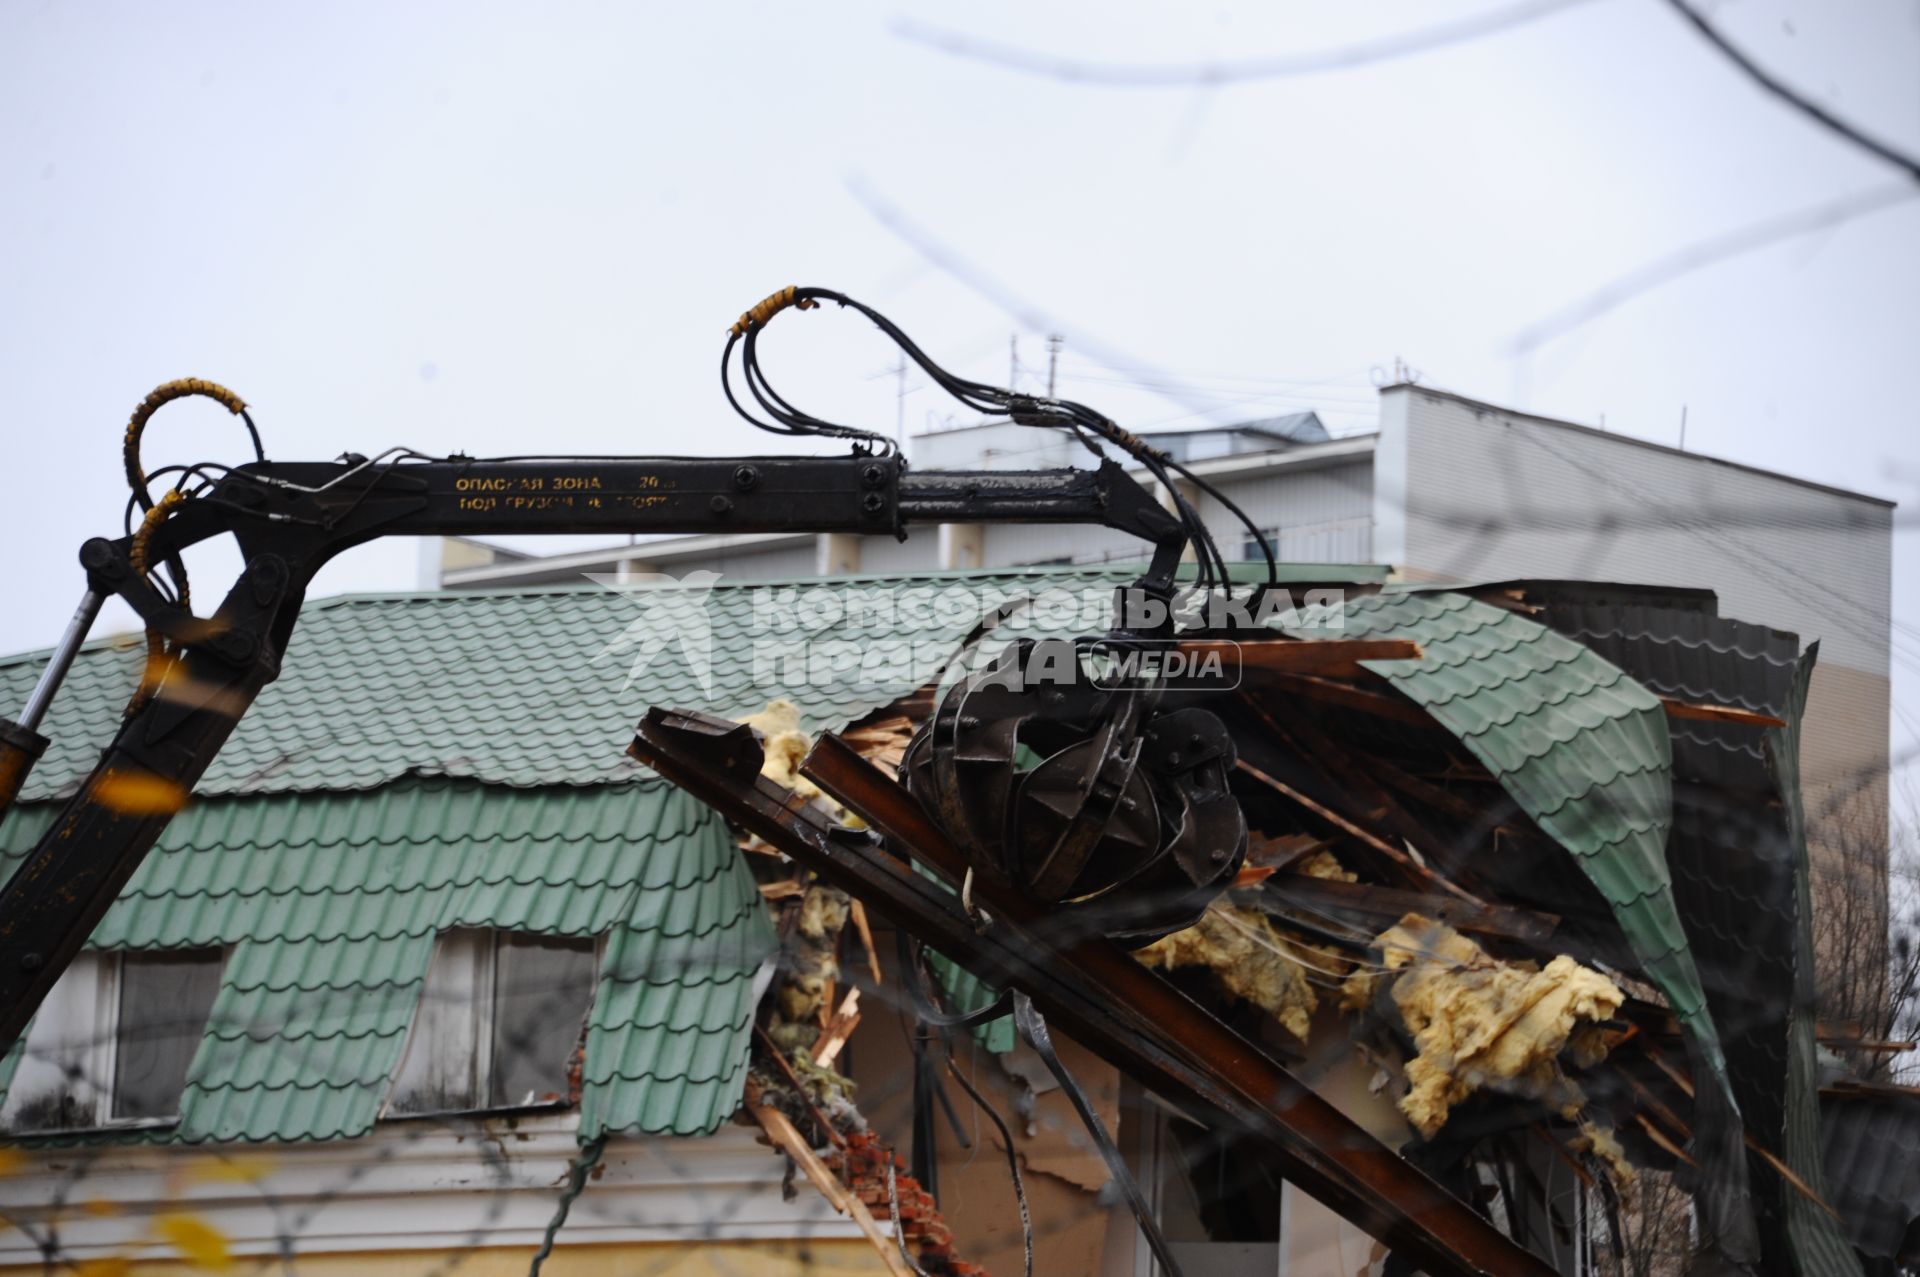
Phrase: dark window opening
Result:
[165,1000]
[542,988]
[499,1019]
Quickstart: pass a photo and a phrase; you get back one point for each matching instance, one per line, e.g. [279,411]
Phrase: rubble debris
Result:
[1477,1021]
[784,1136]
[863,1166]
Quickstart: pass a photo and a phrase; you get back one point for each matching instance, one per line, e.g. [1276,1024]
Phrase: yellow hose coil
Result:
[162,395]
[770,306]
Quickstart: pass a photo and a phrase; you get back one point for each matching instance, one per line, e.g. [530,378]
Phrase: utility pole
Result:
[1683,427]
[1054,342]
[900,404]
[1013,361]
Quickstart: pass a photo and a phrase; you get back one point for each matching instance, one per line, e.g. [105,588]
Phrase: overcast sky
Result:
[491,228]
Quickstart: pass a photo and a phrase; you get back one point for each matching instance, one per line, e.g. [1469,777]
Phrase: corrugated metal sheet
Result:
[1583,749]
[1690,654]
[1872,1153]
[1817,1241]
[331,903]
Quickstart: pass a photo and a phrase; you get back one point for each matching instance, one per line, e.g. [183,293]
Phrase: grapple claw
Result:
[1089,797]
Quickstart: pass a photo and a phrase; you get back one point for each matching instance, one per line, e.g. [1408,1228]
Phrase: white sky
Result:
[495,229]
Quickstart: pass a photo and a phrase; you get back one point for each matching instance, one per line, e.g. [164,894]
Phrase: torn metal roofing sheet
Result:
[331,903]
[1579,744]
[1584,749]
[1738,856]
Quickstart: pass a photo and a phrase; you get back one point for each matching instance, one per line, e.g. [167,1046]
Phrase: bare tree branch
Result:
[1277,66]
[1707,252]
[1793,97]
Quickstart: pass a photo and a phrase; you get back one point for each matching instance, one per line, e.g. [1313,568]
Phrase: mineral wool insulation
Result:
[1477,1021]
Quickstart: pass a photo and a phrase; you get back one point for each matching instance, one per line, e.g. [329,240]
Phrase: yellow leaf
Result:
[11,1159]
[136,793]
[110,1266]
[195,1239]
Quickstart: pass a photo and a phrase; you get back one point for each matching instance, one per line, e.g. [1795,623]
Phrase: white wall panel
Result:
[1495,494]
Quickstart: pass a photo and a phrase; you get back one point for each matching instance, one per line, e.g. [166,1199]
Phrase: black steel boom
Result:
[290,518]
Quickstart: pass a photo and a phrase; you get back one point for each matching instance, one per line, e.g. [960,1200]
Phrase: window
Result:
[542,987]
[113,1040]
[165,999]
[1217,1197]
[499,1019]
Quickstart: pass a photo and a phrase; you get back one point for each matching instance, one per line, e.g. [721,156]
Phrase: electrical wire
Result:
[1013,1158]
[1090,427]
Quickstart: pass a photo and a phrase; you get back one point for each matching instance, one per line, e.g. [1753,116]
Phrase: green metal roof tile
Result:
[324,1051]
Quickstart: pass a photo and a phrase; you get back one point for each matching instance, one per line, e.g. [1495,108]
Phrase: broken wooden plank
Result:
[845,1019]
[1337,765]
[1390,904]
[1352,696]
[785,1068]
[1396,854]
[1701,712]
[1321,658]
[1868,1044]
[858,912]
[1283,852]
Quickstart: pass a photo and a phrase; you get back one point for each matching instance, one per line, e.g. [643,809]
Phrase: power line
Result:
[1793,97]
[1205,74]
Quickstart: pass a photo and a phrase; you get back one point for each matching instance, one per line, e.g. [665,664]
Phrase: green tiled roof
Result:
[331,903]
[510,688]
